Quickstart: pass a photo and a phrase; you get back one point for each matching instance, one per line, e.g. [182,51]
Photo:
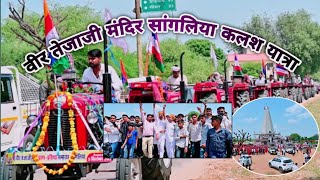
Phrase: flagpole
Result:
[106,76]
[139,44]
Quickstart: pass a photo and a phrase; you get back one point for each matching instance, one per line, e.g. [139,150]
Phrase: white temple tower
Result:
[267,126]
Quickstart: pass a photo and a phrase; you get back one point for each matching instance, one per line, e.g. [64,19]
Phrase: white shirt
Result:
[194,132]
[89,76]
[112,136]
[260,82]
[182,142]
[226,123]
[148,127]
[176,81]
[160,125]
[170,131]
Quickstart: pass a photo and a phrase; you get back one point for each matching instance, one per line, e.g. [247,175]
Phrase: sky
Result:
[175,108]
[287,117]
[233,12]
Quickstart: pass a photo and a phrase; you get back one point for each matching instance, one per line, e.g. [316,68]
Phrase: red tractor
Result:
[151,89]
[278,89]
[259,92]
[211,92]
[238,93]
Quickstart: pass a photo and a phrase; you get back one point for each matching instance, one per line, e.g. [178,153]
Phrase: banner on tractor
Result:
[51,157]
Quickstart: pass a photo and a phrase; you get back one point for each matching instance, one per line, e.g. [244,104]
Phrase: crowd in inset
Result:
[161,135]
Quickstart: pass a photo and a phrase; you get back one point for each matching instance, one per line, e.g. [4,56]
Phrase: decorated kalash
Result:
[68,140]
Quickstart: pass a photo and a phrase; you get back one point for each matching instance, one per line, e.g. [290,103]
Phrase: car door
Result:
[9,112]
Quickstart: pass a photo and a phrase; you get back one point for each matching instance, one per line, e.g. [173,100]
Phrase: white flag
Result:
[214,57]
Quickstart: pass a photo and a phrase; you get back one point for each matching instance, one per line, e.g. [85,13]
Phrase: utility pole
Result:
[139,43]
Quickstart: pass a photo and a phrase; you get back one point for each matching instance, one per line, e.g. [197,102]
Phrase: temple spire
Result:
[267,126]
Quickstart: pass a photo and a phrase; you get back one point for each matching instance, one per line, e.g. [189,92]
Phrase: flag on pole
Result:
[154,49]
[57,65]
[123,73]
[119,42]
[237,68]
[281,71]
[264,68]
[213,57]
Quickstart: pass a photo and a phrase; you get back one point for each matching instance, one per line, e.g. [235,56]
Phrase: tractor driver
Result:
[94,74]
[175,78]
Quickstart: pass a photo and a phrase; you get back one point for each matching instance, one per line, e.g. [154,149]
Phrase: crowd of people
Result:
[159,135]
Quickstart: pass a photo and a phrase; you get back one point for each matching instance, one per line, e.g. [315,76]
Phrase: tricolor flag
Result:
[154,49]
[237,68]
[281,71]
[58,66]
[264,68]
[213,57]
[123,72]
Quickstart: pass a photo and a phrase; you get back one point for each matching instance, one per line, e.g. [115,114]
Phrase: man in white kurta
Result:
[160,129]
[175,78]
[94,74]
[170,136]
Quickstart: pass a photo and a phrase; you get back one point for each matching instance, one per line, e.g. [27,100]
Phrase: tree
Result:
[295,137]
[252,69]
[241,136]
[23,32]
[294,32]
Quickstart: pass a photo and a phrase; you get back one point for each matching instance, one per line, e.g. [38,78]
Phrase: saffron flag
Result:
[123,73]
[154,49]
[281,71]
[237,68]
[58,66]
[213,57]
[264,68]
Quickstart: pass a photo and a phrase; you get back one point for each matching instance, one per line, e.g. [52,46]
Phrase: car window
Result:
[275,159]
[6,91]
[287,161]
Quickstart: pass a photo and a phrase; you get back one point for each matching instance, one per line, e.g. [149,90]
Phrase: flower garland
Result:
[44,130]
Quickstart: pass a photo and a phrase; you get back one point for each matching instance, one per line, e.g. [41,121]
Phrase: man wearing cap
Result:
[170,135]
[147,134]
[219,140]
[160,121]
[175,78]
[95,70]
[194,130]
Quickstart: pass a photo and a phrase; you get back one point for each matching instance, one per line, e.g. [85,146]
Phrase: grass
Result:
[314,107]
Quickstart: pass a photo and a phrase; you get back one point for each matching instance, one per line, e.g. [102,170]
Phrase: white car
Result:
[246,161]
[283,164]
[289,150]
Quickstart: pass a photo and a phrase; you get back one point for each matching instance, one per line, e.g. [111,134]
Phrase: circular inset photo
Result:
[274,136]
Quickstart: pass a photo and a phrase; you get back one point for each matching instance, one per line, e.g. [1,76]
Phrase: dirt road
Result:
[260,162]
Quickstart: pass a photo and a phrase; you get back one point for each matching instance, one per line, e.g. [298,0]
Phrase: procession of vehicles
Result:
[20,119]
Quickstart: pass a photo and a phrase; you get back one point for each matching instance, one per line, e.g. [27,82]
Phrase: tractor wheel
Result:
[313,92]
[263,94]
[242,98]
[129,169]
[299,97]
[276,93]
[285,92]
[210,98]
[156,169]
